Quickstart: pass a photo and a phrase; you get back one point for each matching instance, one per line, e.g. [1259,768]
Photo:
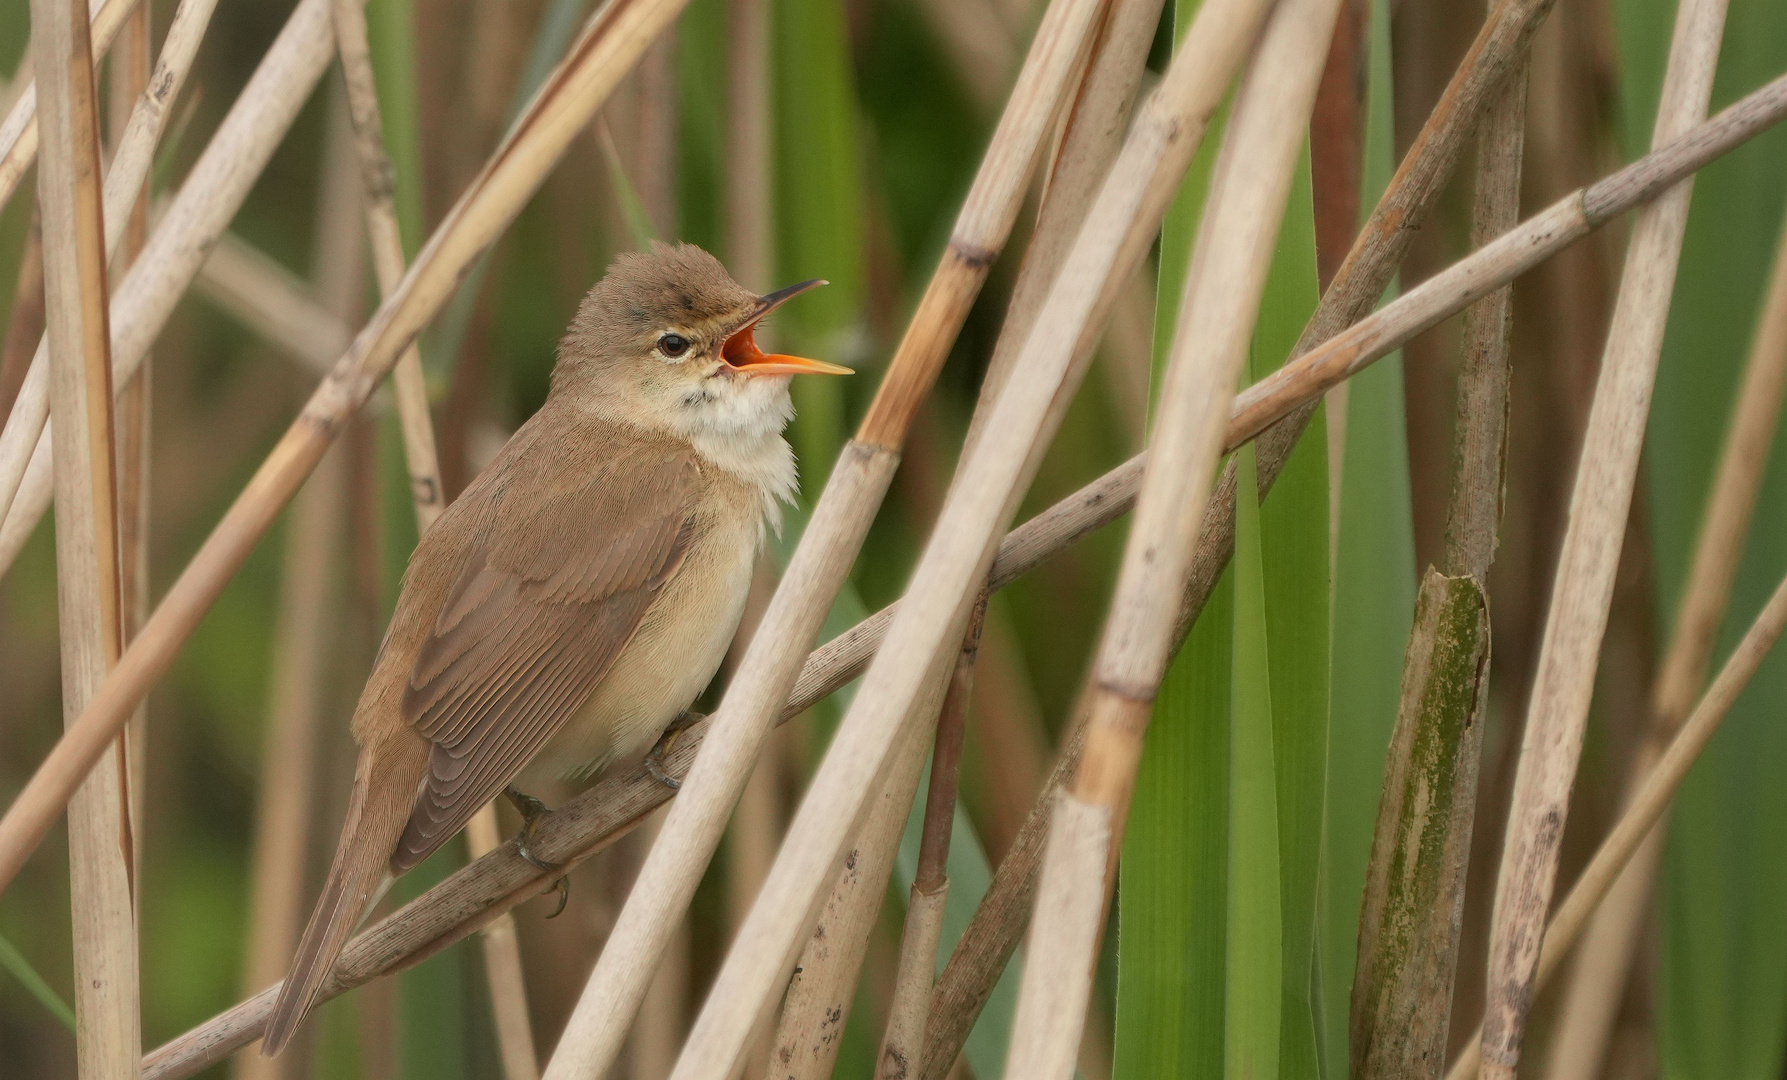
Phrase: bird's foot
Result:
[532,810]
[654,761]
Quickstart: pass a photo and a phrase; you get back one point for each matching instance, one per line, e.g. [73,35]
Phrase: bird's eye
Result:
[673,345]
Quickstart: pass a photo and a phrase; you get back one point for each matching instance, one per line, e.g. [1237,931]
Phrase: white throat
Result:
[736,424]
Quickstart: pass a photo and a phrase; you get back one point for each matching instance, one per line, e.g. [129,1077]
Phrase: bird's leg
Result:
[654,761]
[532,810]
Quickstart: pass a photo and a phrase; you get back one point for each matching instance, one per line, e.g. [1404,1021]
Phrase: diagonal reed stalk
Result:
[1577,618]
[273,302]
[1598,980]
[501,880]
[904,1038]
[90,608]
[18,132]
[1236,237]
[1414,890]
[124,185]
[1647,806]
[853,493]
[614,38]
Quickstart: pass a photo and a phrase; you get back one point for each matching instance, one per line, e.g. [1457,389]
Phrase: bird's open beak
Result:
[741,349]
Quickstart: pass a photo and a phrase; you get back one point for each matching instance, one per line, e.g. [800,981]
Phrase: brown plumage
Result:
[580,593]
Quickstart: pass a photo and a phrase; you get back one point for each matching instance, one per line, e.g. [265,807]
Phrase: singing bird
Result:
[572,603]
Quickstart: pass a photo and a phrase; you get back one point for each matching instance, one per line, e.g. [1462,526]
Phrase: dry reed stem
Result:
[820,994]
[749,232]
[852,495]
[904,1038]
[502,965]
[1095,124]
[90,609]
[1411,913]
[1236,237]
[129,78]
[612,40]
[1604,963]
[1564,678]
[18,132]
[387,255]
[981,501]
[273,302]
[1648,805]
[124,184]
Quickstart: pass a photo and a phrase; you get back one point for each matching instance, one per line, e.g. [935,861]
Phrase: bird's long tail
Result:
[385,783]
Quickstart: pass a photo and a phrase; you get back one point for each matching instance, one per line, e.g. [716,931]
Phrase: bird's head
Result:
[666,341]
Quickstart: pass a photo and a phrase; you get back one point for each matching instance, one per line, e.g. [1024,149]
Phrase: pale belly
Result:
[668,662]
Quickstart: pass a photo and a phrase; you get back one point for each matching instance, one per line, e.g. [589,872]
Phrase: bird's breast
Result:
[670,658]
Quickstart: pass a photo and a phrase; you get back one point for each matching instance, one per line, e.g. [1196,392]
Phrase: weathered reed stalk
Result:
[130,77]
[613,39]
[987,488]
[1246,204]
[502,966]
[474,894]
[749,233]
[904,1039]
[1604,963]
[18,132]
[1648,804]
[817,1004]
[273,302]
[388,263]
[210,197]
[1095,124]
[852,495]
[90,608]
[1413,905]
[1577,617]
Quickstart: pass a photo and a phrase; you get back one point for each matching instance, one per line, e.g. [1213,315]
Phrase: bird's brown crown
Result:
[644,293]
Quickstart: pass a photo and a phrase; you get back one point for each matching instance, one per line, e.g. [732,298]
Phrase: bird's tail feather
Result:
[384,792]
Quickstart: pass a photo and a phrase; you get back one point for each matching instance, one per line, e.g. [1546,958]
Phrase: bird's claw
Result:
[532,810]
[654,761]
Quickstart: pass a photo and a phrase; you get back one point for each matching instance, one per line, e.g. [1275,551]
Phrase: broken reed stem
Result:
[214,190]
[1415,880]
[1577,617]
[852,494]
[388,261]
[1236,236]
[595,818]
[1648,804]
[615,37]
[1598,981]
[904,1038]
[981,501]
[101,849]
[19,131]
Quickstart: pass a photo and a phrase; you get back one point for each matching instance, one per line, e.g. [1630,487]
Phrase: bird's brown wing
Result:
[538,613]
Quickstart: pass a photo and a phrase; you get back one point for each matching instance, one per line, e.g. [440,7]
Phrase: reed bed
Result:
[1279,743]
